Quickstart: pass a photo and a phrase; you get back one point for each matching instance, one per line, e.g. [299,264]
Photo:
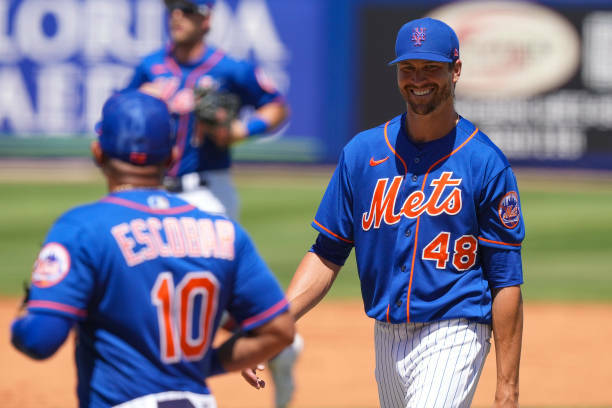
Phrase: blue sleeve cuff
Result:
[331,250]
[502,267]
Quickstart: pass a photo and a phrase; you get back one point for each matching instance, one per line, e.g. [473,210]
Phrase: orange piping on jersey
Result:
[47,304]
[416,233]
[335,235]
[144,208]
[388,321]
[394,152]
[498,242]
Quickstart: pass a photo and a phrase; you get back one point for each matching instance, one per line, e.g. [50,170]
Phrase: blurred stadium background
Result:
[536,78]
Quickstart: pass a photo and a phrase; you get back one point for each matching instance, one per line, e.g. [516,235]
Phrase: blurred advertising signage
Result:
[536,79]
[536,76]
[60,59]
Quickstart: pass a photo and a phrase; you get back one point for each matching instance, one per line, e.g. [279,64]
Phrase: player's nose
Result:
[419,75]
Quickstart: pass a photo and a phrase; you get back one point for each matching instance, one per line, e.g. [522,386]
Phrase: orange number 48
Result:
[464,251]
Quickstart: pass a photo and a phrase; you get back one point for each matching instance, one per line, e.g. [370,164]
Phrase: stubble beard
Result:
[440,96]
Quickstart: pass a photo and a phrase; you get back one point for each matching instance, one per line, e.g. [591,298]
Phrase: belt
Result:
[187,182]
[179,403]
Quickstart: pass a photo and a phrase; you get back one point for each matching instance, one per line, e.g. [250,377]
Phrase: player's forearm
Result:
[312,280]
[507,311]
[246,350]
[266,119]
[273,114]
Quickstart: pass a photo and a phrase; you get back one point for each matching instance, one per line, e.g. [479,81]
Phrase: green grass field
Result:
[566,253]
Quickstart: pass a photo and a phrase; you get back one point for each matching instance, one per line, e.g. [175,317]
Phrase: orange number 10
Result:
[175,314]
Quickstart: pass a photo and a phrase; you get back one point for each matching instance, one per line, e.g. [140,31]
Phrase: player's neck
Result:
[186,53]
[116,187]
[146,177]
[426,128]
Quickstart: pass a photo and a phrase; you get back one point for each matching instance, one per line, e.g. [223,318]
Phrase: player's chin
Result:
[178,35]
[421,108]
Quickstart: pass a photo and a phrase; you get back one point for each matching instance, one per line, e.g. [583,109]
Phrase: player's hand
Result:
[223,134]
[250,376]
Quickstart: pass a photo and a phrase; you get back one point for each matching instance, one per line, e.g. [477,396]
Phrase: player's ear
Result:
[205,25]
[96,153]
[456,71]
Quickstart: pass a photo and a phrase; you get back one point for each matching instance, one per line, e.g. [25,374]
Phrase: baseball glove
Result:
[215,108]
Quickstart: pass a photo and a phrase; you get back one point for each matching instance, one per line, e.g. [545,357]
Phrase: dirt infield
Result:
[566,362]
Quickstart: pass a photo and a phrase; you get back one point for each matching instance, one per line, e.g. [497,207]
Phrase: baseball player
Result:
[432,208]
[144,276]
[201,172]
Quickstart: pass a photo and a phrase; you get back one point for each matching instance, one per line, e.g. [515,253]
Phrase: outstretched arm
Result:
[311,282]
[507,313]
[247,349]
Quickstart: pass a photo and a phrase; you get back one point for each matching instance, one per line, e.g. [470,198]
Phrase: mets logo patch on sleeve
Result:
[509,210]
[52,265]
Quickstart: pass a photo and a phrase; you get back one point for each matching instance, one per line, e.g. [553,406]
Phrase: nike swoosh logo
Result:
[377,162]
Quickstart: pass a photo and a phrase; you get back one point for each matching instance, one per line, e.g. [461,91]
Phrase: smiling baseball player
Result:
[432,208]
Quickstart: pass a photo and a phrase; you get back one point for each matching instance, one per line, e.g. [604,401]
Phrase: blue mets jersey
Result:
[213,70]
[147,276]
[421,218]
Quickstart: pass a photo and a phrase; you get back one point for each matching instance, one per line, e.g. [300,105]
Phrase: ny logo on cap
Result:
[418,36]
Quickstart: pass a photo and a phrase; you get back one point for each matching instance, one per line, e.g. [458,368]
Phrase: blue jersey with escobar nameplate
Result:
[214,70]
[147,276]
[421,216]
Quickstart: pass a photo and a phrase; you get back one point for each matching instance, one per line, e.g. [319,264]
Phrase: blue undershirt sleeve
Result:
[502,267]
[332,250]
[39,335]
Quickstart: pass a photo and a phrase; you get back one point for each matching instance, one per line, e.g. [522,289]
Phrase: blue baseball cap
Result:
[135,128]
[426,39]
[195,6]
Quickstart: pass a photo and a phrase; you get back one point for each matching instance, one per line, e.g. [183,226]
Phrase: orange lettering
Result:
[439,185]
[382,204]
[383,201]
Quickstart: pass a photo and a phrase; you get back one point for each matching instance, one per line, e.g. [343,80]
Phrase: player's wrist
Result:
[216,367]
[256,126]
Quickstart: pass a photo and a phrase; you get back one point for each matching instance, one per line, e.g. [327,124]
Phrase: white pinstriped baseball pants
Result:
[429,365]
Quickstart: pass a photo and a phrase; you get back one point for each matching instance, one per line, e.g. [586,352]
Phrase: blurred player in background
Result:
[200,174]
[432,208]
[145,277]
[205,89]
